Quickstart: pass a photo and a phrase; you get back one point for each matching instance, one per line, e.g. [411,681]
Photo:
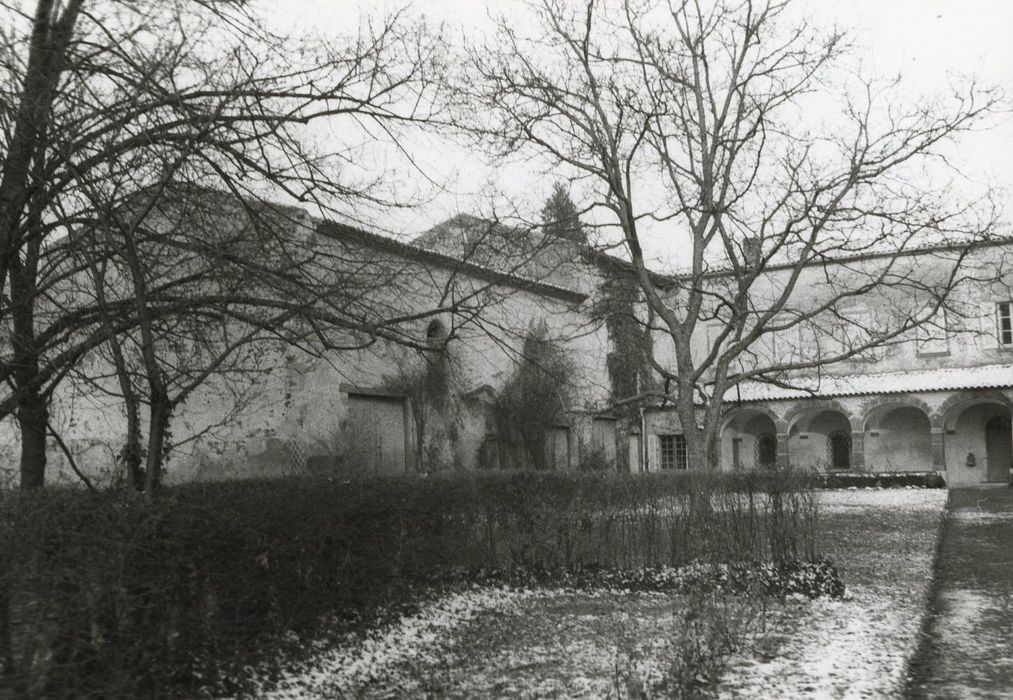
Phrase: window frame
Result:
[1004,336]
[672,452]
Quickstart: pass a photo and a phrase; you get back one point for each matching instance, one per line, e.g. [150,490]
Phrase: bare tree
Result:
[692,116]
[106,103]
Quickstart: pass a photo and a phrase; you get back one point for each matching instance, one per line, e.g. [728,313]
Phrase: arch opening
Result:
[436,333]
[820,438]
[749,441]
[898,438]
[978,442]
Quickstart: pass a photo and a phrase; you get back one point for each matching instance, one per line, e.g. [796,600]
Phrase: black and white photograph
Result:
[621,349]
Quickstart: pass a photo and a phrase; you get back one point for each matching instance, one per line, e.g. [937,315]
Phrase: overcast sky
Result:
[927,41]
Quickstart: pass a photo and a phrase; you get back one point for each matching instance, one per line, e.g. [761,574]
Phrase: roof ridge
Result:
[408,246]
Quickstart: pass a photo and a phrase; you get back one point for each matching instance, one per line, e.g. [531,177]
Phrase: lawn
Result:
[552,643]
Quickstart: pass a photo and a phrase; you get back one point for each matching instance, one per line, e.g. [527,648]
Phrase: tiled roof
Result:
[986,377]
[341,231]
[843,257]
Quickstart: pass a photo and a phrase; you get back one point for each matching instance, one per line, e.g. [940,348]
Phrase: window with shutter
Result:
[1004,324]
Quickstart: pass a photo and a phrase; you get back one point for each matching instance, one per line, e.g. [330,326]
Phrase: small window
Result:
[673,451]
[435,333]
[1004,324]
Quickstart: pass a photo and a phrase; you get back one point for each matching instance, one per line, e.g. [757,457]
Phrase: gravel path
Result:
[968,651]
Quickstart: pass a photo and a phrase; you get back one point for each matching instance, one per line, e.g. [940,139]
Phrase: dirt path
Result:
[968,651]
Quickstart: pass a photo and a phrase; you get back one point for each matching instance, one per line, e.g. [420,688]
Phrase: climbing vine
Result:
[628,362]
[534,399]
[426,384]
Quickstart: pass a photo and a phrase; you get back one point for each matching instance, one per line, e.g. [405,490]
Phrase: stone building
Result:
[383,408]
[937,399]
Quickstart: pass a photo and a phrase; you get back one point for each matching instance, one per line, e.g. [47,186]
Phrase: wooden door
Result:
[998,448]
[603,438]
[635,465]
[557,449]
[376,434]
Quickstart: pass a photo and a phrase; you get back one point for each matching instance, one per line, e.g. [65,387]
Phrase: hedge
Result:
[110,595]
[843,480]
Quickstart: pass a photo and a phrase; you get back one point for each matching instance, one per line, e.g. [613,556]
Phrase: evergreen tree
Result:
[559,216]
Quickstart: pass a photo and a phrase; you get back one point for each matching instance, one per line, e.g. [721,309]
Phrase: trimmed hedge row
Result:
[110,595]
[844,480]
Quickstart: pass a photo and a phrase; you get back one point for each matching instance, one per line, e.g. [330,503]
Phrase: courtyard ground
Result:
[526,643]
[968,648]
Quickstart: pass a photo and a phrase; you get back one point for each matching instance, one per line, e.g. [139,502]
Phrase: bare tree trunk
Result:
[51,34]
[131,453]
[696,452]
[161,410]
[33,415]
[160,405]
[32,407]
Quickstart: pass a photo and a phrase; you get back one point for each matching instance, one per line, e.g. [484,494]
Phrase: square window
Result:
[673,452]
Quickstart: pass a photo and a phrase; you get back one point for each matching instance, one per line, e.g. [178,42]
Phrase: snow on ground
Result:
[565,644]
[417,638]
[965,612]
[981,518]
[969,650]
[908,499]
[858,647]
[496,641]
[853,648]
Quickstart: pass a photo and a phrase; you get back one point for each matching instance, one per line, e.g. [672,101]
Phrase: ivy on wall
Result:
[426,385]
[628,362]
[533,400]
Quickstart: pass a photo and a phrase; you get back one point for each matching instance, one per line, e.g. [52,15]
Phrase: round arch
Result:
[811,408]
[436,331]
[897,436]
[819,436]
[950,410]
[733,413]
[749,437]
[977,440]
[882,405]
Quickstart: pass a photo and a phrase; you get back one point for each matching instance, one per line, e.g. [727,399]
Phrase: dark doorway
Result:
[998,448]
[766,451]
[839,450]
